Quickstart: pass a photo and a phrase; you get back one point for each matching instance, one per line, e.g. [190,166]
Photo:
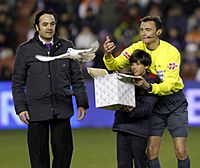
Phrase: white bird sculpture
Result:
[83,55]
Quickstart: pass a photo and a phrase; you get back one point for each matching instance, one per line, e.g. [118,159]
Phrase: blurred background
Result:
[83,22]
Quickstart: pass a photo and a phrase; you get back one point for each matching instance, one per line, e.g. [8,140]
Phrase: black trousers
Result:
[131,148]
[61,143]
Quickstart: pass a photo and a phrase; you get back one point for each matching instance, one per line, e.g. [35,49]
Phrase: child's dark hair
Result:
[37,17]
[140,56]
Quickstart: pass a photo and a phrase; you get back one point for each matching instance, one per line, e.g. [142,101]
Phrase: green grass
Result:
[93,148]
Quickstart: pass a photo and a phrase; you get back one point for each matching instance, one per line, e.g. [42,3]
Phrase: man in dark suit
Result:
[43,96]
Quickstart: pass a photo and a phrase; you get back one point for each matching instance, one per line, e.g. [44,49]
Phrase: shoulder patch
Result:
[172,65]
[126,54]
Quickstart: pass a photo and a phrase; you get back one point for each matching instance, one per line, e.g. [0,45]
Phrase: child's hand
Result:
[127,108]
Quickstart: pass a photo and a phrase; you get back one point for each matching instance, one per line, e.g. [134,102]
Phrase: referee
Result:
[171,110]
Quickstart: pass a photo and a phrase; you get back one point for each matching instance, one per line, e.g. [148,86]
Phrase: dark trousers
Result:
[129,148]
[61,143]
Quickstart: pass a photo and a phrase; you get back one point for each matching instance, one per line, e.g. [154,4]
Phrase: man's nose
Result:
[142,33]
[49,26]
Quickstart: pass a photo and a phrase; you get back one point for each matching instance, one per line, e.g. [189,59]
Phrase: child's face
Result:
[138,69]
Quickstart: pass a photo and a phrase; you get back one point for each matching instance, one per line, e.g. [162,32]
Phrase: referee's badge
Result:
[172,65]
[160,74]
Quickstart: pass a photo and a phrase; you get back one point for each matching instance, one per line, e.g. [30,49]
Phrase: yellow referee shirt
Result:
[165,63]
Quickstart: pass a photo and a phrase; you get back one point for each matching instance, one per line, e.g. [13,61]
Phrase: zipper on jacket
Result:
[50,80]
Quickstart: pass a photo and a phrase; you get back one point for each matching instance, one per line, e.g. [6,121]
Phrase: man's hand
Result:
[81,113]
[24,116]
[108,47]
[141,82]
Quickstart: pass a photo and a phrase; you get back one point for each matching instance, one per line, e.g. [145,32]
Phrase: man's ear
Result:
[159,32]
[37,28]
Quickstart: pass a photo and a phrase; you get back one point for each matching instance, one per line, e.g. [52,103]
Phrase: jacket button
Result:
[49,76]
[52,109]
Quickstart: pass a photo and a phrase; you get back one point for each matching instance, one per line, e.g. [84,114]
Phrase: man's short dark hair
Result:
[37,17]
[155,19]
[140,56]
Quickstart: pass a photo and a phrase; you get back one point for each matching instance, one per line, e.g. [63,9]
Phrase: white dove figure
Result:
[83,55]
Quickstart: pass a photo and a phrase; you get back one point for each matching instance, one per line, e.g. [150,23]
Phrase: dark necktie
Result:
[48,46]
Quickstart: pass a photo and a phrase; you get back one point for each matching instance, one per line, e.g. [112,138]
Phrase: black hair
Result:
[140,56]
[41,13]
[155,19]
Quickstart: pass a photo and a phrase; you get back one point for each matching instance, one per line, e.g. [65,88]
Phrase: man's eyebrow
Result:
[146,28]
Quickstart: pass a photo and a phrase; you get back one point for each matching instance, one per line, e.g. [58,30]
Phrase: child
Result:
[133,124]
